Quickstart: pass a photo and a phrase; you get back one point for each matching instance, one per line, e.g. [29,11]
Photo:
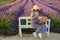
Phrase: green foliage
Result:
[55,20]
[6,1]
[55,23]
[5,25]
[23,21]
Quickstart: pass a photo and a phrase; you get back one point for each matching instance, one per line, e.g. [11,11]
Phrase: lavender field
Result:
[23,7]
[20,8]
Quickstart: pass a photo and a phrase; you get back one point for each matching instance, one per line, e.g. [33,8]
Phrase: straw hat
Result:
[36,7]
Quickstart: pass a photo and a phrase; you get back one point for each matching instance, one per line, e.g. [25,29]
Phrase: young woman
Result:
[35,17]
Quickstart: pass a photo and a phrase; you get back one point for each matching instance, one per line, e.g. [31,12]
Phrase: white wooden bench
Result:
[28,25]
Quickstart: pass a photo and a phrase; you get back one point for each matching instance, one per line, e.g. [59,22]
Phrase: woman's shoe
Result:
[34,34]
[40,35]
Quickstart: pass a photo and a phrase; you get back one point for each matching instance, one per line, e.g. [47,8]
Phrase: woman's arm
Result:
[32,16]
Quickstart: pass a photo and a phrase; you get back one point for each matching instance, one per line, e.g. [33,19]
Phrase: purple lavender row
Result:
[44,7]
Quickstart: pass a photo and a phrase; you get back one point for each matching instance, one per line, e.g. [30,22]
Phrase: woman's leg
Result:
[34,25]
[43,29]
[38,29]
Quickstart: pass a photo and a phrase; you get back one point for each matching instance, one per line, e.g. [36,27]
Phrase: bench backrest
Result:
[25,21]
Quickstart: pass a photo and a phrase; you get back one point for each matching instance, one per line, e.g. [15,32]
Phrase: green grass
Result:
[23,21]
[2,2]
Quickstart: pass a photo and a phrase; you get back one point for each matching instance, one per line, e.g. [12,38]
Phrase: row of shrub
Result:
[7,25]
[55,22]
[55,25]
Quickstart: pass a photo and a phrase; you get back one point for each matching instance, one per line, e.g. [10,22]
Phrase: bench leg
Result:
[48,32]
[20,32]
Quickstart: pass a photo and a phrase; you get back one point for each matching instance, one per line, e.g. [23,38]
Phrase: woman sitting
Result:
[35,17]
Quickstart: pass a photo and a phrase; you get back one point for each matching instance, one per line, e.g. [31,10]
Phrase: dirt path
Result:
[53,36]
